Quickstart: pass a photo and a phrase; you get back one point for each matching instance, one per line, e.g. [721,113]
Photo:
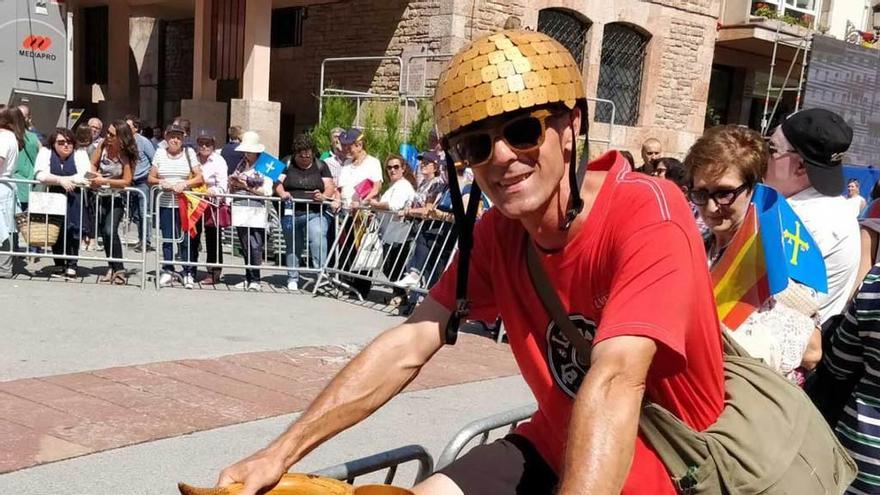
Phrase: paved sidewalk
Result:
[63,416]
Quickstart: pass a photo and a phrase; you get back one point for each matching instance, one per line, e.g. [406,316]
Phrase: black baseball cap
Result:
[430,156]
[350,136]
[821,137]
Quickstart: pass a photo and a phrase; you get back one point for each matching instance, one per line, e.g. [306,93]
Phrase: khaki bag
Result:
[769,439]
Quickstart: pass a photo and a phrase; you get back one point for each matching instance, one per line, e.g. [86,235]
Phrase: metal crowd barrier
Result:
[389,460]
[260,221]
[381,247]
[48,212]
[482,428]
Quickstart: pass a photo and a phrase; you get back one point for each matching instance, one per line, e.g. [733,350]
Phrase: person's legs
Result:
[115,242]
[508,466]
[257,237]
[317,237]
[244,243]
[169,224]
[140,212]
[72,248]
[191,247]
[290,248]
[58,247]
[5,259]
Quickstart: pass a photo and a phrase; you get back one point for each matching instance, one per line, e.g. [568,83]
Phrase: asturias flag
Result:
[191,209]
[269,166]
[771,247]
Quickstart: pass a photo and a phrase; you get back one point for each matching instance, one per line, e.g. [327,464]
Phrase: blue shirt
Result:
[145,158]
[231,156]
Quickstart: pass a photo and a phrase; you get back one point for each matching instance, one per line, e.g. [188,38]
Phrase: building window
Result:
[287,27]
[620,73]
[568,29]
[96,34]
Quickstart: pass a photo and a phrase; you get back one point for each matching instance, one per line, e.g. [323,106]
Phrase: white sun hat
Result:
[250,143]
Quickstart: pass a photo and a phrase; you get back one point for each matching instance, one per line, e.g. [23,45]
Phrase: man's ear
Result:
[801,169]
[569,140]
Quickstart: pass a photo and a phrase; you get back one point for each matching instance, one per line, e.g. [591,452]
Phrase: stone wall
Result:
[177,76]
[676,74]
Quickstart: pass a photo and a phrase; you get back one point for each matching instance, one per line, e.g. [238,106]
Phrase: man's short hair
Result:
[234,132]
[95,119]
[185,123]
[854,181]
[336,131]
[302,142]
[728,147]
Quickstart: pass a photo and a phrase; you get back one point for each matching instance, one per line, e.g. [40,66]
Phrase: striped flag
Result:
[191,208]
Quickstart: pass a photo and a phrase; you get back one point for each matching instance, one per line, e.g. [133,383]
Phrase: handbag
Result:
[367,242]
[769,438]
[218,216]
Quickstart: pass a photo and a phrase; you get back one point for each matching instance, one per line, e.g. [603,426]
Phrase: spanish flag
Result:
[771,247]
[740,277]
[191,209]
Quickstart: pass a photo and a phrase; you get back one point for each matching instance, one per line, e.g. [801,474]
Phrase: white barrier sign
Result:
[47,203]
[255,217]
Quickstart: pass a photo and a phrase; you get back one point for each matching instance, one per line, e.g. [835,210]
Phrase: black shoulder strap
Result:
[552,304]
[188,159]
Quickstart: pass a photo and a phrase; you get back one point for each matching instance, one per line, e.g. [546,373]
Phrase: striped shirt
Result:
[855,351]
[173,169]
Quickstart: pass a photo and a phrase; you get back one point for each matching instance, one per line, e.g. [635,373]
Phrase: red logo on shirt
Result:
[567,366]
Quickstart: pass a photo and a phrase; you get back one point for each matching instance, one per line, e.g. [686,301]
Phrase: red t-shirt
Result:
[637,267]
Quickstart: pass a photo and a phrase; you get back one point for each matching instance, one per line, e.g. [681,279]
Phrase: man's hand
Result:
[261,470]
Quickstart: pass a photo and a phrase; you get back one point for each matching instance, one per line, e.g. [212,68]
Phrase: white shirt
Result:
[857,203]
[174,170]
[9,153]
[351,175]
[830,221]
[41,164]
[399,195]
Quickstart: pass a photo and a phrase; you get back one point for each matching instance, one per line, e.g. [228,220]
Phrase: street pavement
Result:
[117,390]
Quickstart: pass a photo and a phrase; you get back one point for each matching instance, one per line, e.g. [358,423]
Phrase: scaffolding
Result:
[802,45]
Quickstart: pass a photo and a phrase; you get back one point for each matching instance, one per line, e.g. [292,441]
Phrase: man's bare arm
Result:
[605,417]
[378,373]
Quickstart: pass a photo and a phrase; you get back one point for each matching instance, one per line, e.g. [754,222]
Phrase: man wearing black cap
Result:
[806,153]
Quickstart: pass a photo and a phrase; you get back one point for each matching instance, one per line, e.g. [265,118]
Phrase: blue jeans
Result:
[298,228]
[169,223]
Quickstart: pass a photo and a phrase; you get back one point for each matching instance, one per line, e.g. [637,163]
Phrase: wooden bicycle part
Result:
[290,484]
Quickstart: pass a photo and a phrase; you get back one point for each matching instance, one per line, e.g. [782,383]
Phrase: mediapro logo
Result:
[37,43]
[36,47]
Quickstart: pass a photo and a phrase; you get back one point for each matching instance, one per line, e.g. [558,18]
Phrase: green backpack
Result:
[769,439]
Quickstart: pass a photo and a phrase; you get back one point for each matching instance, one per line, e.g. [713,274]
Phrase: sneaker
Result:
[411,279]
[255,287]
[188,281]
[165,279]
[70,273]
[241,286]
[292,286]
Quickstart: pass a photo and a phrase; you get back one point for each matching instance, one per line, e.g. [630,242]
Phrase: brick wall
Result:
[706,7]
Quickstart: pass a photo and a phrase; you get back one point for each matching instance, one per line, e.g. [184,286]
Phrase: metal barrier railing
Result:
[290,235]
[383,247]
[389,460]
[483,428]
[60,221]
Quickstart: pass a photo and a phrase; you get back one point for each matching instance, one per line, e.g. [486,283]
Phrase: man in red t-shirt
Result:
[624,255]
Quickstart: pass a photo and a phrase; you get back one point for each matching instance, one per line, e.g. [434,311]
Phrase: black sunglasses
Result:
[392,167]
[721,197]
[523,134]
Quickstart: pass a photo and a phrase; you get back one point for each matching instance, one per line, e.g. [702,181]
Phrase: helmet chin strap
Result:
[575,180]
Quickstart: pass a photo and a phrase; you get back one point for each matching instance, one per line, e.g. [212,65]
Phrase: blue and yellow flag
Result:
[790,250]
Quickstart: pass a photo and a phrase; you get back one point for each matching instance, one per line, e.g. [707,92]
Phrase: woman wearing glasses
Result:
[304,186]
[112,168]
[62,170]
[725,165]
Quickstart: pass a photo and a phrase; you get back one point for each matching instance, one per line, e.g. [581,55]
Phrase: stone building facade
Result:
[675,74]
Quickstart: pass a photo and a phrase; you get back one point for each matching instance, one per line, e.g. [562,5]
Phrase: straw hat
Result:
[250,143]
[502,73]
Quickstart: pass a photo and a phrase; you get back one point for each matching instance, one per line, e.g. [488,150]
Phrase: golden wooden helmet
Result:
[505,72]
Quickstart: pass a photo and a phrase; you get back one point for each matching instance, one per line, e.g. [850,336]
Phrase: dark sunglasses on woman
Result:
[721,197]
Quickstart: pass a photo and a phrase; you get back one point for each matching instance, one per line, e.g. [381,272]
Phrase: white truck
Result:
[35,59]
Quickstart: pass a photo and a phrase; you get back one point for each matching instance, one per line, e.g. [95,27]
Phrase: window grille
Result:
[620,73]
[566,28]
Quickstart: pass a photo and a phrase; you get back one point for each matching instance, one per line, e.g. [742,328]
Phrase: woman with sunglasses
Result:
[63,171]
[725,165]
[215,176]
[304,186]
[394,229]
[112,169]
[431,185]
